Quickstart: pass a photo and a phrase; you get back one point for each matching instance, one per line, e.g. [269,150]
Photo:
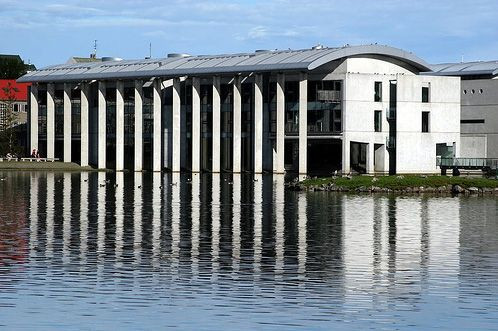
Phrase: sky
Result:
[47,32]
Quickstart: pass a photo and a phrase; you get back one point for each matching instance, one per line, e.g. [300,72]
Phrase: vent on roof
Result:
[319,46]
[262,51]
[111,58]
[178,55]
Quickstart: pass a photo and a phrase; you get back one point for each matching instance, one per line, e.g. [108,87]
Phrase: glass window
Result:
[425,121]
[378,121]
[425,93]
[378,92]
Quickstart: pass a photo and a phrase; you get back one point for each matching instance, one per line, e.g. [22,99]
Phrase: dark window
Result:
[378,92]
[425,121]
[425,94]
[378,120]
[481,121]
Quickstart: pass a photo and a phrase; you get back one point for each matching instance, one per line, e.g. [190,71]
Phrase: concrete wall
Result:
[480,105]
[416,151]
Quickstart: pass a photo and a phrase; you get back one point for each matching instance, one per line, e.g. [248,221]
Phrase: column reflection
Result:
[302,220]
[49,251]
[66,218]
[101,211]
[279,199]
[33,215]
[236,214]
[156,218]
[83,218]
[175,222]
[137,217]
[258,224]
[195,214]
[215,225]
[119,212]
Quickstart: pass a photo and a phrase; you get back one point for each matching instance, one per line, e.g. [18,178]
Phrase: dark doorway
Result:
[324,156]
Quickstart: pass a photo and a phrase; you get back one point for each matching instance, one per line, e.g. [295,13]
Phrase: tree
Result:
[11,67]
[7,125]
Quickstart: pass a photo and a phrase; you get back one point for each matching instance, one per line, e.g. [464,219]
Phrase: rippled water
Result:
[147,251]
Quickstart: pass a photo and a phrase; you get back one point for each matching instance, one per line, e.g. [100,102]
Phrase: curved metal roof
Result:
[466,68]
[286,60]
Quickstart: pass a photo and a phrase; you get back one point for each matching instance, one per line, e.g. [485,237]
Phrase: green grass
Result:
[25,165]
[393,182]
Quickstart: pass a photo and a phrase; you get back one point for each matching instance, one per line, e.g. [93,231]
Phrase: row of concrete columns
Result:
[278,163]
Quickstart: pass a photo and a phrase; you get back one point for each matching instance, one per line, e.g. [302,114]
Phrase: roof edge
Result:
[393,52]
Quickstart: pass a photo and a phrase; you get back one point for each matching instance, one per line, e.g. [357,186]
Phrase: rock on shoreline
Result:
[447,189]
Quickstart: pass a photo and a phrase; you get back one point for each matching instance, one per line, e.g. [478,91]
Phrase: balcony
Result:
[328,95]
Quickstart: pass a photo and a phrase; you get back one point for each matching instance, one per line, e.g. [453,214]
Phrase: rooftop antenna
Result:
[462,58]
[94,55]
[150,50]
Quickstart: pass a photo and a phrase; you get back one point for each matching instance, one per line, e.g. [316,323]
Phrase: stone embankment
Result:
[397,186]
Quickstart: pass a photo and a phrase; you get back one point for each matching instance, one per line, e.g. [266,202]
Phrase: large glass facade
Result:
[324,107]
[247,93]
[110,97]
[226,95]
[148,125]
[129,127]
[42,122]
[291,107]
[206,96]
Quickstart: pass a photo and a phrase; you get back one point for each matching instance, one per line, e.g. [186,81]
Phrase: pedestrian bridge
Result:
[484,164]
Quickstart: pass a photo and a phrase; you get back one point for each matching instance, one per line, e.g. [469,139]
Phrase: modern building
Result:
[364,108]
[479,101]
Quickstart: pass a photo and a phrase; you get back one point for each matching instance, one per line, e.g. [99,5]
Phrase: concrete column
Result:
[119,125]
[67,122]
[370,158]
[216,124]
[237,126]
[258,124]
[101,127]
[175,127]
[196,124]
[346,156]
[50,120]
[138,125]
[84,121]
[33,128]
[303,125]
[280,137]
[156,140]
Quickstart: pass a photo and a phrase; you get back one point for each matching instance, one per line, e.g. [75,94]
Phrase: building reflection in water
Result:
[365,247]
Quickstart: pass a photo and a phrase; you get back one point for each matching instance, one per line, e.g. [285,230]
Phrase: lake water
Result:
[151,251]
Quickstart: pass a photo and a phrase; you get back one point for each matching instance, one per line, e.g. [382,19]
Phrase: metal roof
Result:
[262,61]
[465,68]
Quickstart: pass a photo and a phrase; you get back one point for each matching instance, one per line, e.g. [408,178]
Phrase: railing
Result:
[464,162]
[328,95]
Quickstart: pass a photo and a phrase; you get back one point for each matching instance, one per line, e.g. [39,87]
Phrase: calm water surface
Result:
[149,251]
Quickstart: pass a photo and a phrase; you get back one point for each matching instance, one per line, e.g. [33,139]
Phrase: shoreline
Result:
[45,166]
[410,184]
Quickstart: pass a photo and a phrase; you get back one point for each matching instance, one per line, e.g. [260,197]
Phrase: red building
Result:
[10,90]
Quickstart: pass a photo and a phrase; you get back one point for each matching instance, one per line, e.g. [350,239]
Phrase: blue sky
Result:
[48,32]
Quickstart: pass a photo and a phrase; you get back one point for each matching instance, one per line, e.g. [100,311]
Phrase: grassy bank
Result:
[55,166]
[401,182]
